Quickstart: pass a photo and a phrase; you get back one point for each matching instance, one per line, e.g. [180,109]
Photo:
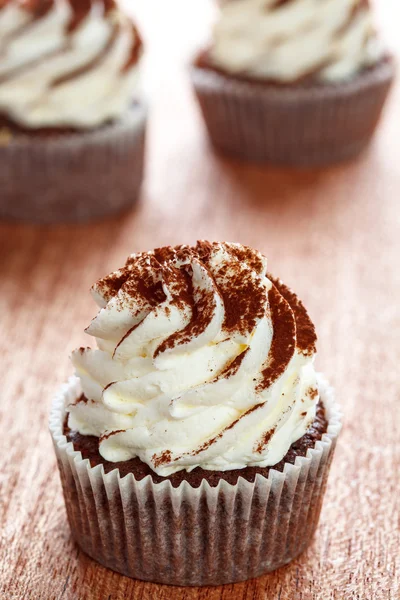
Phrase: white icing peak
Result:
[286,41]
[203,360]
[57,70]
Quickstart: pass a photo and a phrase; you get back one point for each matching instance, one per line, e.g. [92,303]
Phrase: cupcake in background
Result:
[293,82]
[194,445]
[72,127]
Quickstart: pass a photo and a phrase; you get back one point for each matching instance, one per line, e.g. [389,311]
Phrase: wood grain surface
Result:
[333,235]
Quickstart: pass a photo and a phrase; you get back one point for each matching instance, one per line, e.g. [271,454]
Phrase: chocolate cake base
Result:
[89,447]
[180,533]
[303,124]
[55,176]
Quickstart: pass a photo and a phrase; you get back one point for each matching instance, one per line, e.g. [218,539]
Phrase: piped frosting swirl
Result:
[290,41]
[66,63]
[204,359]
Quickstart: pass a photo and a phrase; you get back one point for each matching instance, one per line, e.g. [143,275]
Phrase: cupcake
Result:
[71,126]
[194,442]
[293,82]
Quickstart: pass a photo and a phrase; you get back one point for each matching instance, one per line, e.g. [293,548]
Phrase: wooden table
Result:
[333,235]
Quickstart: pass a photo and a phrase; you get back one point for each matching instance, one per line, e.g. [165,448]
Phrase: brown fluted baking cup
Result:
[292,125]
[73,177]
[193,536]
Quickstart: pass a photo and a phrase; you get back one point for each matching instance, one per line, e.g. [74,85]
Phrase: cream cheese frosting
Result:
[288,40]
[203,359]
[65,63]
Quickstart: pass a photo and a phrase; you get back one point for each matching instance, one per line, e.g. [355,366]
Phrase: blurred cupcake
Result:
[71,127]
[194,445]
[295,82]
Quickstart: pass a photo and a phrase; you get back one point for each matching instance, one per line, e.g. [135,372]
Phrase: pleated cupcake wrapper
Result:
[292,125]
[73,177]
[193,536]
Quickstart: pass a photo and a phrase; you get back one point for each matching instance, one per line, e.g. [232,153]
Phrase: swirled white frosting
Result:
[57,73]
[287,40]
[203,360]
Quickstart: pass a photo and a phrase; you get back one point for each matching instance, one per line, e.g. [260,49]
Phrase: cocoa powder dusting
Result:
[283,339]
[105,436]
[312,393]
[81,400]
[244,299]
[204,250]
[203,310]
[278,4]
[211,441]
[247,255]
[136,50]
[263,442]
[162,459]
[233,367]
[143,284]
[305,330]
[110,285]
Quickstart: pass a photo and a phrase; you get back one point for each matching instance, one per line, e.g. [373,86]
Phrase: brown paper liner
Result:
[292,125]
[193,536]
[73,177]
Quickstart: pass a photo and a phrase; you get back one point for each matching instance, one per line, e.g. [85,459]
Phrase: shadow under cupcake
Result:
[195,443]
[293,82]
[72,129]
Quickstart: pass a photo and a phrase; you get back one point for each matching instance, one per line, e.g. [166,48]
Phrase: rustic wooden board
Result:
[333,235]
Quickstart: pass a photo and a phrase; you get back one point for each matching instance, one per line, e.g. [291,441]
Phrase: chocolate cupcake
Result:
[293,82]
[72,127]
[195,442]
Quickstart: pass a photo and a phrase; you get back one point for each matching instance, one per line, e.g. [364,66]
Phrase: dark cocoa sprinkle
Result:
[283,339]
[165,254]
[233,367]
[168,253]
[312,393]
[137,257]
[244,304]
[305,330]
[89,447]
[278,4]
[212,441]
[303,414]
[127,334]
[204,250]
[179,282]
[143,283]
[109,385]
[263,442]
[162,459]
[81,400]
[244,298]
[247,255]
[105,436]
[110,285]
[203,310]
